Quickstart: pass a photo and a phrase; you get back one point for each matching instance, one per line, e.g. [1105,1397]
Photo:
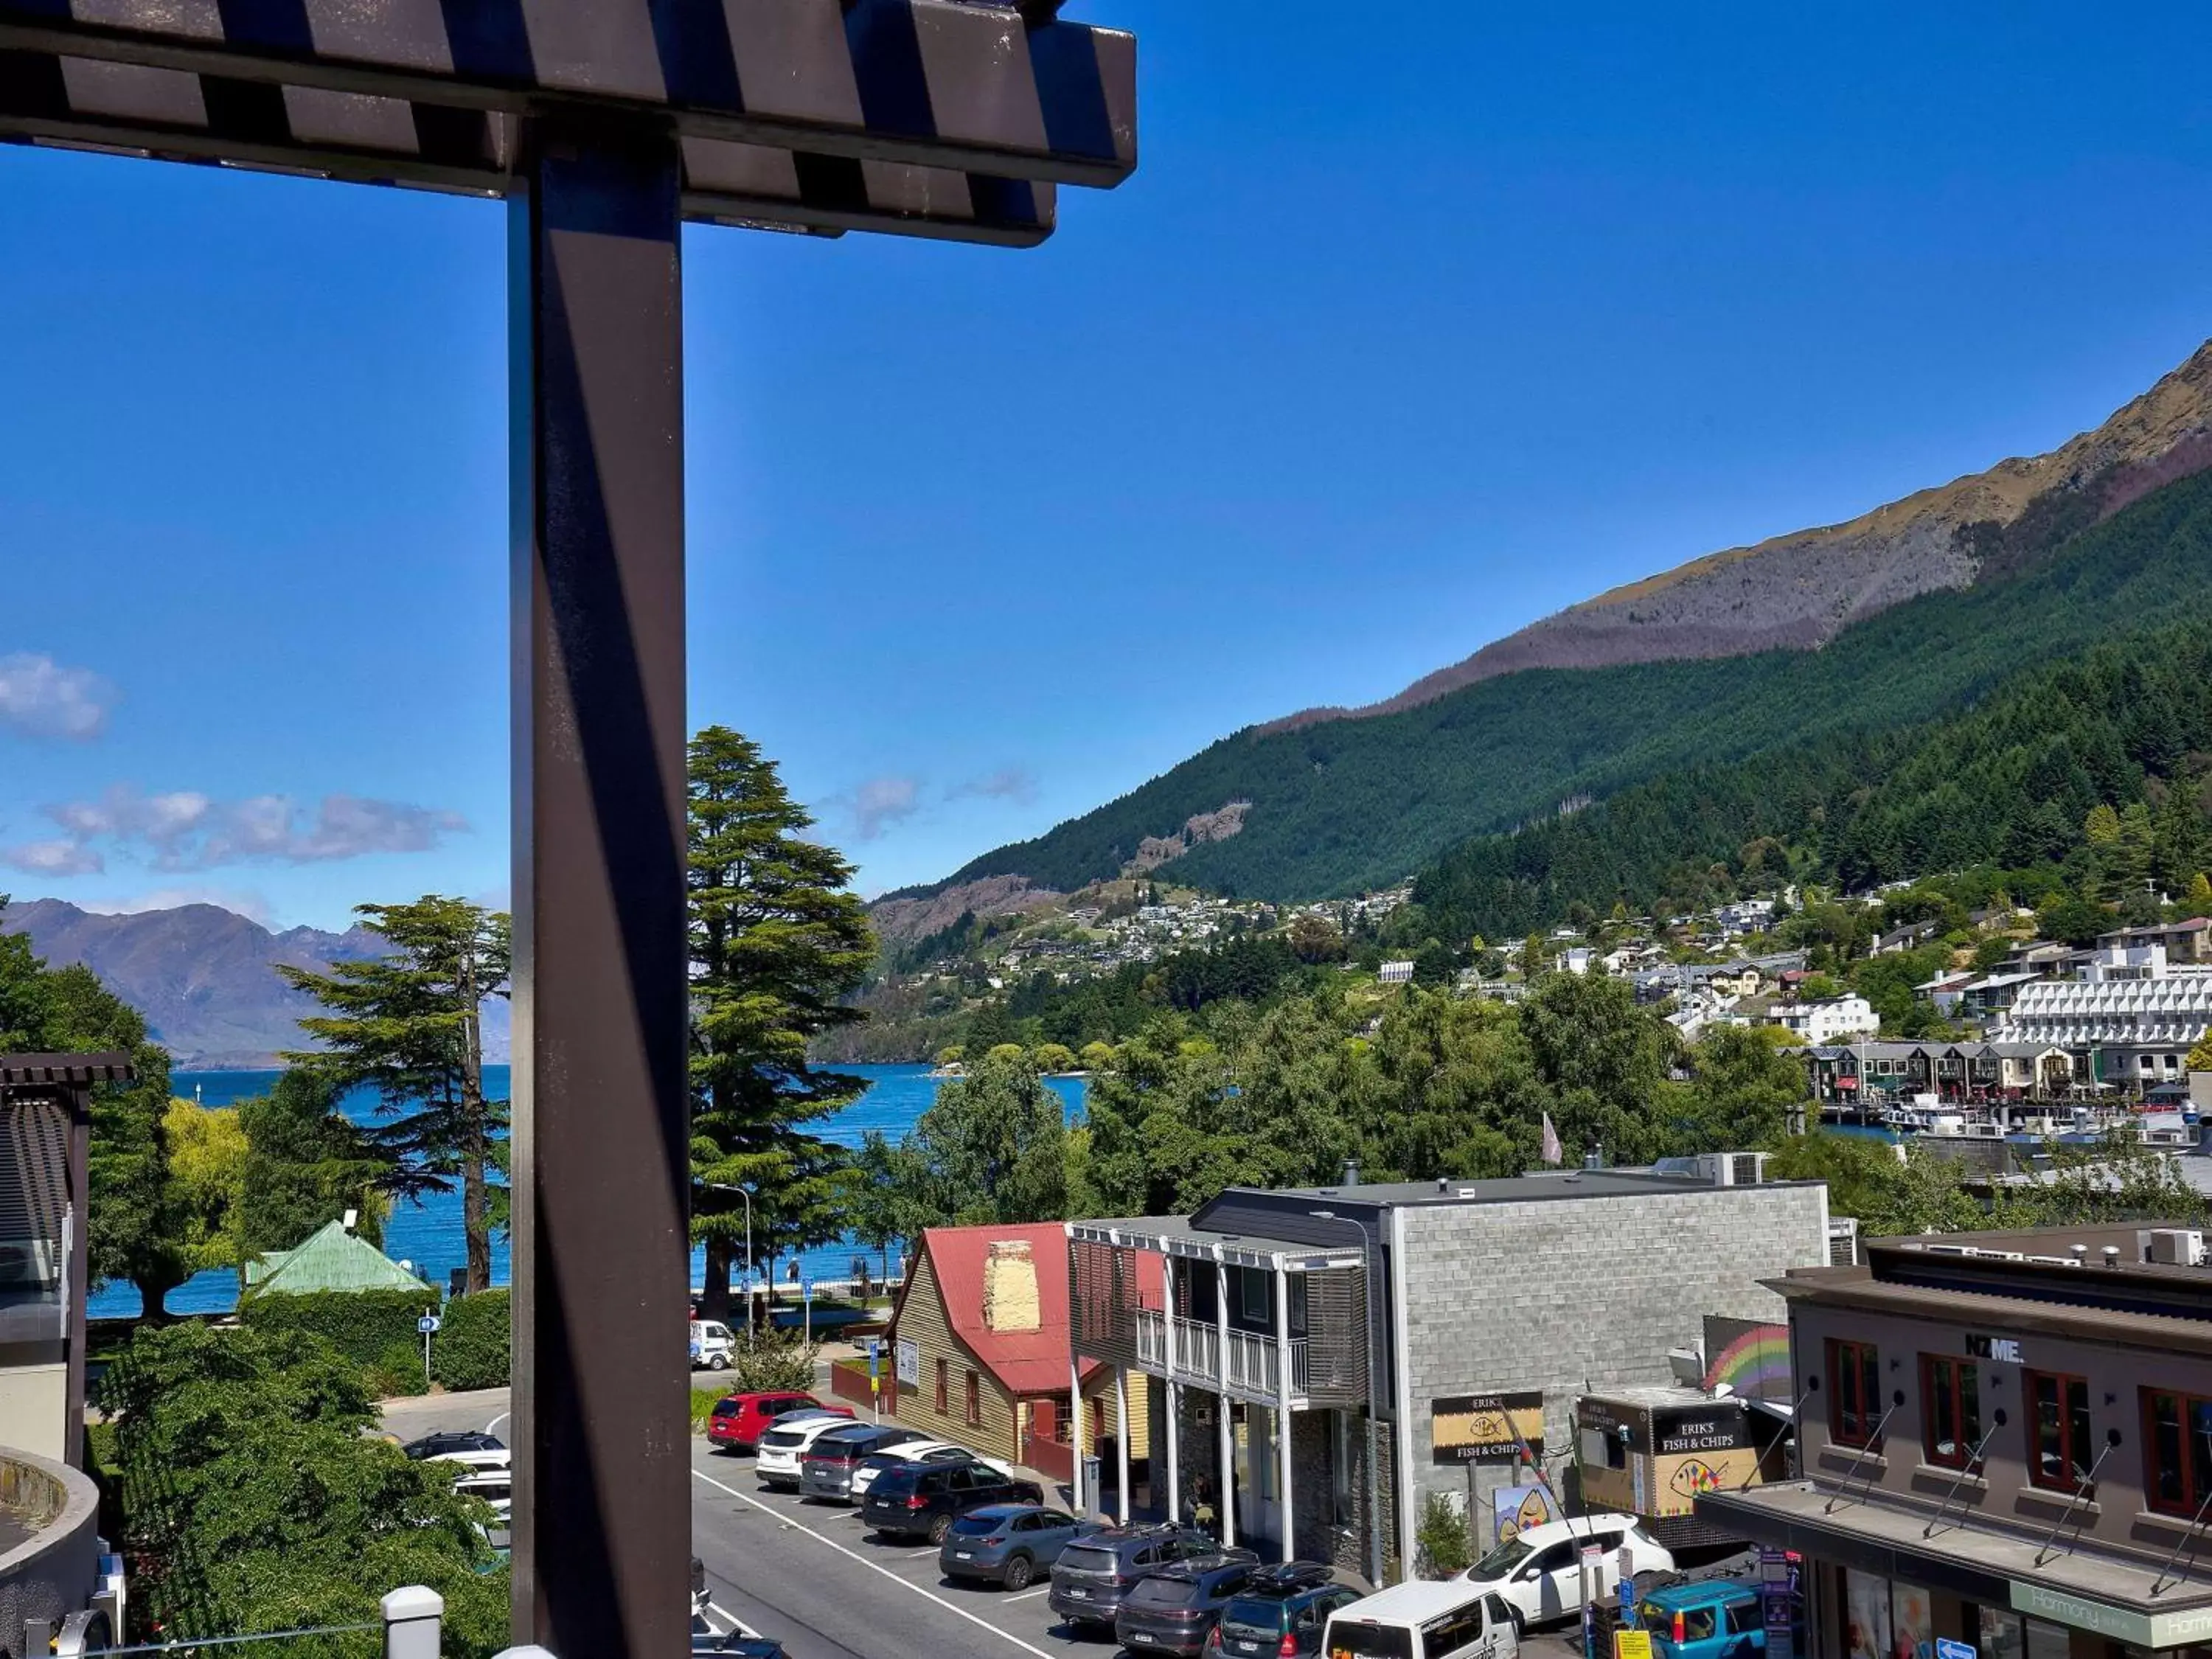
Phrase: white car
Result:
[477,1462]
[1537,1572]
[783,1448]
[713,1345]
[917,1452]
[496,1489]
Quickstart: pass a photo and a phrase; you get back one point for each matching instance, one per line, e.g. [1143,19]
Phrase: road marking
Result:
[1042,1589]
[737,1626]
[877,1566]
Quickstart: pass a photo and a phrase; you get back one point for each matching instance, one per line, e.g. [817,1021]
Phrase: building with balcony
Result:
[1325,1357]
[2005,1441]
[2129,1018]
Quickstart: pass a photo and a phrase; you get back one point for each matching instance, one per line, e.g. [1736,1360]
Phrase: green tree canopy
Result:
[410,1023]
[307,1165]
[991,1147]
[778,945]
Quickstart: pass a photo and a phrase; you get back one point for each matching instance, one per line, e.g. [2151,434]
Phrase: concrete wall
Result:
[1570,1295]
[35,1408]
[56,1572]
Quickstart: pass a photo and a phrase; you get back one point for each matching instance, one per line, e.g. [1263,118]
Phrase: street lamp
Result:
[745,1193]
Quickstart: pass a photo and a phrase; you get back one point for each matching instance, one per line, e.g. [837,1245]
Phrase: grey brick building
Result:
[1415,1337]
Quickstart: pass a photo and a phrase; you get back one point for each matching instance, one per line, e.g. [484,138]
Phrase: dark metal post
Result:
[601,1516]
[76,1269]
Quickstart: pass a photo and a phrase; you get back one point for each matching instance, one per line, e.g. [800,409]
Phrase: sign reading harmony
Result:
[1486,1428]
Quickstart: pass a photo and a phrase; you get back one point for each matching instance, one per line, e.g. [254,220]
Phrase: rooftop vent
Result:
[1351,1172]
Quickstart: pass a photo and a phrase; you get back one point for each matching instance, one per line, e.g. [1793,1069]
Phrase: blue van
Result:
[1717,1618]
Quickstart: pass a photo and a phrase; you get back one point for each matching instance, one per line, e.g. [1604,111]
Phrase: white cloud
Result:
[53,858]
[879,803]
[186,830]
[41,698]
[1014,783]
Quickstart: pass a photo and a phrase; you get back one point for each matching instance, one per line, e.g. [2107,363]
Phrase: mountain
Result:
[204,977]
[1798,591]
[2107,531]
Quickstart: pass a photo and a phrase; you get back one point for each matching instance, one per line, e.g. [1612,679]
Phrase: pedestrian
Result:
[1202,1515]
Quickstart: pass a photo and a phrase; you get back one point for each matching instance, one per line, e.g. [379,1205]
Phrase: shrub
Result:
[398,1371]
[772,1361]
[471,1348]
[362,1325]
[1440,1541]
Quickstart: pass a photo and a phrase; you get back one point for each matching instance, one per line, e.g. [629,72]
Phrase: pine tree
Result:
[410,1024]
[777,947]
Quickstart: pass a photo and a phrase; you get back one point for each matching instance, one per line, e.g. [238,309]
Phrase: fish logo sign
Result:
[1693,1475]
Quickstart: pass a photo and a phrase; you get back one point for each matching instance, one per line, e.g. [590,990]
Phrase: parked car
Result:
[1007,1544]
[922,1500]
[738,1420]
[713,1346]
[496,1488]
[826,1471]
[732,1644]
[1424,1618]
[784,1448]
[917,1451]
[1094,1573]
[448,1442]
[1715,1619]
[1538,1570]
[1174,1609]
[1280,1613]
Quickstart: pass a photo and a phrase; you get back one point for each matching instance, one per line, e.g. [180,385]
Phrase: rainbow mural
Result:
[1754,1364]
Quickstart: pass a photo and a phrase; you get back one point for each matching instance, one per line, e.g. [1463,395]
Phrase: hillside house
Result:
[1395,973]
[979,1341]
[1827,1020]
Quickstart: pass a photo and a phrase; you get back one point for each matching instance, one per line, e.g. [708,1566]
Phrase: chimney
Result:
[1351,1172]
[1010,1287]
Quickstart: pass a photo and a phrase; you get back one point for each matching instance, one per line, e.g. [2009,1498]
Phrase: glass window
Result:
[1450,1632]
[2178,1442]
[1855,1405]
[1252,1295]
[975,1397]
[1951,1409]
[944,1385]
[2058,1429]
[2048,1641]
[1697,1624]
[2002,1635]
[1744,1617]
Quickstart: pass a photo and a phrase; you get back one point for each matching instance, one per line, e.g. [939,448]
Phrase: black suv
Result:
[458,1440]
[919,1500]
[1093,1574]
[1281,1611]
[1174,1609]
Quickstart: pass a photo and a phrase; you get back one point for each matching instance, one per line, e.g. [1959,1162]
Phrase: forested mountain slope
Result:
[1348,804]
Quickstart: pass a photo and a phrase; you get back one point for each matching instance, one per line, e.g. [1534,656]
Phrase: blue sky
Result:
[1412,326]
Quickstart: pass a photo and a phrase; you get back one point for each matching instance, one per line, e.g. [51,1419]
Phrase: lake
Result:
[427,1235]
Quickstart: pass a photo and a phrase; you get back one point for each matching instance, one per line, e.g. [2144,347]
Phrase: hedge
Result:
[471,1348]
[362,1325]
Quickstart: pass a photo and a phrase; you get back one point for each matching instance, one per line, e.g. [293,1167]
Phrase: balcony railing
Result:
[1189,1350]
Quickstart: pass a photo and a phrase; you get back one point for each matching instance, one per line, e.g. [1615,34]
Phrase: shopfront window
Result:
[2058,1430]
[1951,1408]
[2001,1634]
[1855,1408]
[2178,1439]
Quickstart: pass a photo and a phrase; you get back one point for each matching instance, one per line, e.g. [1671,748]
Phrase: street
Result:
[810,1575]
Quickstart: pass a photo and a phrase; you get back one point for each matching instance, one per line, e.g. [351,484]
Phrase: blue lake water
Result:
[428,1234]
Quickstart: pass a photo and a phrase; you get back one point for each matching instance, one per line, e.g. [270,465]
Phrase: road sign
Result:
[427,1323]
[1948,1649]
[1631,1645]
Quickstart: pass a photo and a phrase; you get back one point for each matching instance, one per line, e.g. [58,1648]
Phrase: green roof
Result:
[332,1260]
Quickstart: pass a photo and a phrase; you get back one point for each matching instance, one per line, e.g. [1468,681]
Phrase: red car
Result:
[739,1419]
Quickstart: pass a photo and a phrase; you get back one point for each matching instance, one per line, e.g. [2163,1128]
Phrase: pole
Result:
[1283,1381]
[425,1359]
[1121,1442]
[601,1166]
[1075,1440]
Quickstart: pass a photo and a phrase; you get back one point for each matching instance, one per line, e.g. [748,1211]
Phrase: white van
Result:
[1423,1619]
[712,1346]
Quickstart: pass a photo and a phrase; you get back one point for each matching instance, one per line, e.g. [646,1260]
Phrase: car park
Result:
[1094,1573]
[447,1443]
[1424,1618]
[1279,1613]
[1711,1618]
[1174,1609]
[784,1448]
[738,1420]
[826,1471]
[1007,1544]
[1539,1573]
[921,1500]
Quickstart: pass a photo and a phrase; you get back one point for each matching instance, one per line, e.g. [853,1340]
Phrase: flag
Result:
[1552,1153]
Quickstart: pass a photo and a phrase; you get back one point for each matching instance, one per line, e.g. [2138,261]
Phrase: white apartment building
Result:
[1831,1020]
[2130,1014]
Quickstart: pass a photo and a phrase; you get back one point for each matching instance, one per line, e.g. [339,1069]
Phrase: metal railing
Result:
[1189,1350]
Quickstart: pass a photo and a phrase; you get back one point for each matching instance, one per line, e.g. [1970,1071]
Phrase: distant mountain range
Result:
[1906,614]
[204,977]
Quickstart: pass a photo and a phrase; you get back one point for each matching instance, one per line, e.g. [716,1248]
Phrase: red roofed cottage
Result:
[980,1339]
